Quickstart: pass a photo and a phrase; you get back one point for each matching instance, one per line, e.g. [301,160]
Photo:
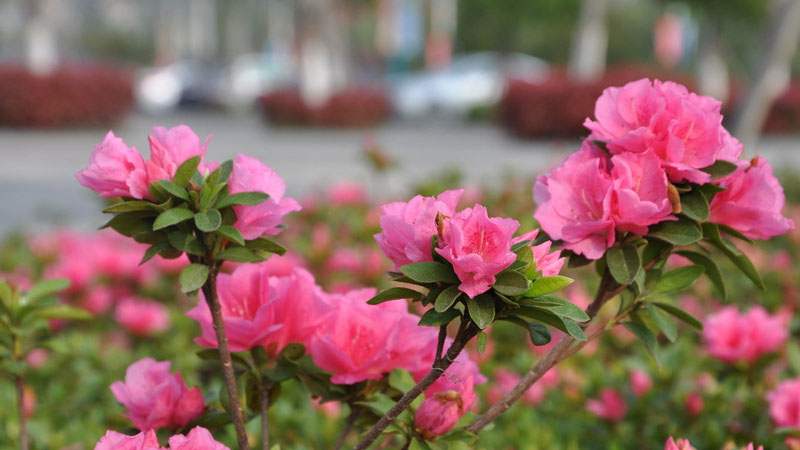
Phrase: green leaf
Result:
[447,298]
[680,314]
[232,234]
[133,205]
[646,336]
[46,288]
[549,318]
[265,245]
[429,272]
[432,318]
[481,310]
[694,205]
[208,221]
[193,277]
[62,312]
[548,285]
[174,189]
[252,198]
[239,254]
[186,242]
[678,279]
[394,293]
[519,245]
[539,333]
[678,232]
[401,380]
[171,217]
[511,283]
[225,170]
[185,171]
[623,263]
[664,323]
[131,223]
[153,251]
[733,233]
[653,248]
[480,343]
[711,270]
[158,192]
[720,168]
[736,256]
[559,306]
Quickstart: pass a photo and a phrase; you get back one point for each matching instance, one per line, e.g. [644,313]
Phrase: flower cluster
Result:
[649,139]
[733,336]
[198,439]
[477,246]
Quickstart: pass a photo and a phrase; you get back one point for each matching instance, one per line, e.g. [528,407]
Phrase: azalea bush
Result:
[354,106]
[441,321]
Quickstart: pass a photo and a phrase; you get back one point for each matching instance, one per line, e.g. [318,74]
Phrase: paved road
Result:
[38,189]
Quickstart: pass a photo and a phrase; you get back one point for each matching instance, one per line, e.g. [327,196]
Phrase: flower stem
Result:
[210,292]
[266,385]
[23,423]
[466,331]
[351,420]
[608,288]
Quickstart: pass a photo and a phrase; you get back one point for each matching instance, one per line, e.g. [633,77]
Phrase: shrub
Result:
[355,106]
[90,95]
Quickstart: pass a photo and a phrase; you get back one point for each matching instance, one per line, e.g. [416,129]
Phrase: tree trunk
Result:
[587,59]
[779,44]
[41,51]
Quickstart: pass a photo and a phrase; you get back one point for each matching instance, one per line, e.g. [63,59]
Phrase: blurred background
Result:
[319,88]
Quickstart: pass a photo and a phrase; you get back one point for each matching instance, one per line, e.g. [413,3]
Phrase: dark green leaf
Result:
[679,232]
[185,171]
[678,279]
[694,205]
[174,189]
[447,298]
[131,223]
[652,250]
[208,221]
[172,217]
[720,168]
[623,263]
[733,233]
[265,245]
[133,205]
[225,170]
[480,344]
[549,318]
[153,251]
[736,256]
[711,269]
[519,245]
[664,323]
[231,233]
[680,314]
[511,283]
[243,198]
[239,254]
[646,336]
[394,293]
[539,333]
[193,277]
[559,306]
[432,318]
[481,310]
[186,242]
[429,272]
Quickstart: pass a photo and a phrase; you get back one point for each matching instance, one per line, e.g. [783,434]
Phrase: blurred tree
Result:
[587,57]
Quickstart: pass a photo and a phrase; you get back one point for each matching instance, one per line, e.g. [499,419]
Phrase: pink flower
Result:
[640,192]
[360,342]
[694,404]
[146,440]
[610,406]
[155,398]
[575,203]
[448,398]
[198,439]
[683,129]
[347,193]
[115,170]
[504,380]
[142,317]
[259,309]
[548,263]
[98,300]
[682,444]
[250,174]
[752,202]
[751,446]
[732,336]
[478,247]
[407,228]
[784,404]
[171,148]
[641,383]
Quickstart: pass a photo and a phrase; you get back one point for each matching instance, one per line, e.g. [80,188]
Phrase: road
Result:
[38,188]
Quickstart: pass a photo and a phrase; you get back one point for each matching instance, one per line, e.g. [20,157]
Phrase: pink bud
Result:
[640,382]
[610,405]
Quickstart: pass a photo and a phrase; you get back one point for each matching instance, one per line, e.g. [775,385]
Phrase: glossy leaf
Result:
[394,293]
[193,277]
[623,263]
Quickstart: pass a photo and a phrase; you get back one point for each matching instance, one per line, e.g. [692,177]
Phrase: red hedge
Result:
[351,107]
[69,96]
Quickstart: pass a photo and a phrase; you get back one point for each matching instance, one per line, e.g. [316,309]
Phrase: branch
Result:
[210,292]
[466,331]
[351,420]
